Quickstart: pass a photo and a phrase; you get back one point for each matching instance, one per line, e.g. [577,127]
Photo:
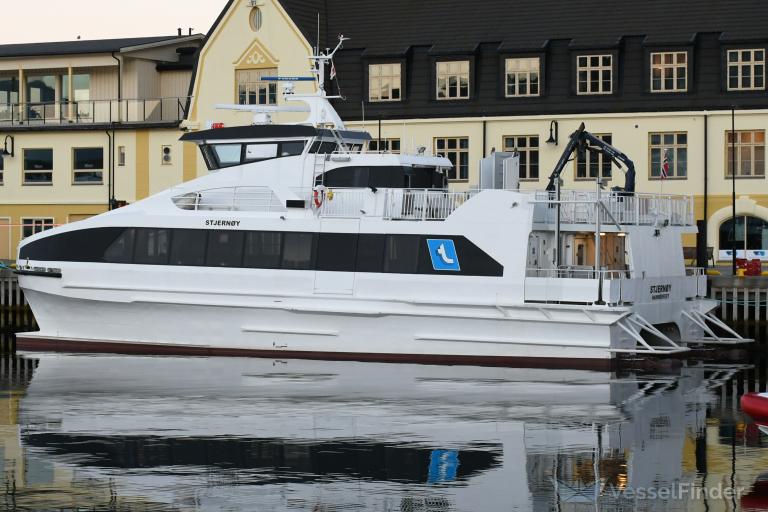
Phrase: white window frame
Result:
[38,224]
[742,148]
[256,86]
[452,69]
[756,68]
[528,150]
[385,77]
[386,144]
[25,171]
[675,68]
[76,171]
[674,149]
[522,68]
[585,63]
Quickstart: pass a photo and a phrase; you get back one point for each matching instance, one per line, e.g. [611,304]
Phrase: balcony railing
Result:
[150,110]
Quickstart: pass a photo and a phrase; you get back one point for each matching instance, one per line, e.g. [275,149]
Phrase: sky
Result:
[65,20]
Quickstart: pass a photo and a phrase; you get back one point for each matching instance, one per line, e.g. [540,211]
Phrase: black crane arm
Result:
[581,141]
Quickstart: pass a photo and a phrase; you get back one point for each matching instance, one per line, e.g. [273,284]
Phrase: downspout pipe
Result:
[119,84]
[109,171]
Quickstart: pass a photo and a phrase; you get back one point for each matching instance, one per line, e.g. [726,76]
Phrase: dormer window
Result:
[453,80]
[522,77]
[384,82]
[746,70]
[594,74]
[669,72]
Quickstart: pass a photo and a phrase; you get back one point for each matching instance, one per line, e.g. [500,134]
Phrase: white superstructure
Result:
[300,243]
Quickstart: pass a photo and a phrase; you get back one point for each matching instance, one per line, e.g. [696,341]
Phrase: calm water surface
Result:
[140,433]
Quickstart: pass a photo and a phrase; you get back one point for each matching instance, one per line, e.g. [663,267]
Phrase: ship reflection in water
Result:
[132,433]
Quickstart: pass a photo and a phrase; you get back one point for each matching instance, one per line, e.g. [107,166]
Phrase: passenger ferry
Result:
[301,243]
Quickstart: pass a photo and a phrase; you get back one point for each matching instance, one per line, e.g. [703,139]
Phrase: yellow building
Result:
[86,123]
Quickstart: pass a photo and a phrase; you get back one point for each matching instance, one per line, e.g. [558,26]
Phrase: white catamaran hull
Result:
[140,320]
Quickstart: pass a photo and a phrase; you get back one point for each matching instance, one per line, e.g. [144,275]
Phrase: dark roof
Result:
[268,131]
[455,25]
[77,47]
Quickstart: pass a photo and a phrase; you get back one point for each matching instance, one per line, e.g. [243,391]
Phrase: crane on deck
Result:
[582,141]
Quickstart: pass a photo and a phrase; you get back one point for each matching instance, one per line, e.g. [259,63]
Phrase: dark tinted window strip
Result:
[331,252]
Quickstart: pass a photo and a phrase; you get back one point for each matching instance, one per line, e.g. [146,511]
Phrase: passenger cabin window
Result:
[152,246]
[334,252]
[383,177]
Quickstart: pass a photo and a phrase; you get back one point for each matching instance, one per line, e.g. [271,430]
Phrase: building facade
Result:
[86,124]
[663,83]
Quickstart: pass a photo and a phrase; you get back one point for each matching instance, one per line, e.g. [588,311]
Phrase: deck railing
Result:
[423,204]
[261,199]
[580,207]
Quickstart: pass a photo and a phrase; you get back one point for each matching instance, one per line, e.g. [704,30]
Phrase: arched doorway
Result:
[750,234]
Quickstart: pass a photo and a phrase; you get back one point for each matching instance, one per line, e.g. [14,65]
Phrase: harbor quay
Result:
[504,257]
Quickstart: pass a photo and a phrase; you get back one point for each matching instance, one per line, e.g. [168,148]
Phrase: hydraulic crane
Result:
[582,141]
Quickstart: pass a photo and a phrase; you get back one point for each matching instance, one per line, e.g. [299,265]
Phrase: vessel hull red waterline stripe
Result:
[756,405]
[33,344]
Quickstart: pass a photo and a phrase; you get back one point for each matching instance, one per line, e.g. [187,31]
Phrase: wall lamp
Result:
[553,133]
[5,151]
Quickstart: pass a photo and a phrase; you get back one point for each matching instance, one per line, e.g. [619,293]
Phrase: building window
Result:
[121,156]
[750,153]
[256,19]
[453,80]
[88,164]
[746,70]
[591,163]
[253,90]
[669,155]
[384,82]
[522,77]
[32,226]
[595,74]
[38,166]
[41,97]
[387,145]
[528,148]
[9,97]
[750,234]
[455,149]
[669,72]
[81,94]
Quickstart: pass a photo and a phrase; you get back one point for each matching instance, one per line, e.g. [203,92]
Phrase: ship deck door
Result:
[336,255]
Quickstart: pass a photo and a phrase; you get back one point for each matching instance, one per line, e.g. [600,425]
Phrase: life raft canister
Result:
[756,405]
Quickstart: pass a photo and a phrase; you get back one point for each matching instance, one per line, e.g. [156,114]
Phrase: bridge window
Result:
[227,155]
[256,152]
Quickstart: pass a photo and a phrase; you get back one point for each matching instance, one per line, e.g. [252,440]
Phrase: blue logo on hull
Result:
[443,254]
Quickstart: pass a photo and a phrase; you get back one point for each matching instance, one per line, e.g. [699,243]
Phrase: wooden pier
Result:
[742,299]
[15,314]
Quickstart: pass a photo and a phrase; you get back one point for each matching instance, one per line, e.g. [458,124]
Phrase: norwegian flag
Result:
[665,166]
[333,70]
